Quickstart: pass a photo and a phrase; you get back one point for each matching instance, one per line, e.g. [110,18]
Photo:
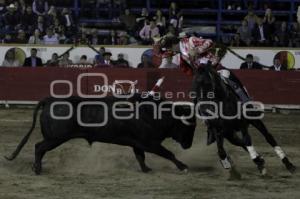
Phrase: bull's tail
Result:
[25,139]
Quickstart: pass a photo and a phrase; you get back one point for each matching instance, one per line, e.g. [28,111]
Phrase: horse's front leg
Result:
[225,160]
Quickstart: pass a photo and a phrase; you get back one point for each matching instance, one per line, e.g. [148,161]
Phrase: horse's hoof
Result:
[37,169]
[146,169]
[291,168]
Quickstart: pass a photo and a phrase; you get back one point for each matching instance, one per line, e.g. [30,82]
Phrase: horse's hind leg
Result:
[256,158]
[259,125]
[40,150]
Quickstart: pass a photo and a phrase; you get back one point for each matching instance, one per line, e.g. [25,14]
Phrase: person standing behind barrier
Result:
[250,63]
[33,60]
[54,61]
[10,59]
[277,66]
[65,61]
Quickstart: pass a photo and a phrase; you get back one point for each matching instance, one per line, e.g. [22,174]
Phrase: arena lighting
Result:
[124,110]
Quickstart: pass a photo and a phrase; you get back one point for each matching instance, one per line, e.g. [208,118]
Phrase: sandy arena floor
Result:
[77,171]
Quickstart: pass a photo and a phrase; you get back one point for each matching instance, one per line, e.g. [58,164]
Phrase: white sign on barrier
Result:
[288,57]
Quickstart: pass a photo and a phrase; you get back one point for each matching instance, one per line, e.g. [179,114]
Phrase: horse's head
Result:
[205,83]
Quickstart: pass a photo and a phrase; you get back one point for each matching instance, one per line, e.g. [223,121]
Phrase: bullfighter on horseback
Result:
[198,52]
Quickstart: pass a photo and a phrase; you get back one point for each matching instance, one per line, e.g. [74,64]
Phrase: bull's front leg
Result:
[140,156]
[158,149]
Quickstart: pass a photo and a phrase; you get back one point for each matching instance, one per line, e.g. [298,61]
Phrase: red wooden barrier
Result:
[32,84]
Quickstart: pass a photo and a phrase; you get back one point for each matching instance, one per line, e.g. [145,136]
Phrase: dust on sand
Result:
[78,171]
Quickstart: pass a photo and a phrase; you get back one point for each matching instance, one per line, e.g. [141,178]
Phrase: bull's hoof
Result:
[146,169]
[234,174]
[37,168]
[182,167]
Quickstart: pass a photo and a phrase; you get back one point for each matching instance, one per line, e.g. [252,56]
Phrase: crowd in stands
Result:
[44,22]
[267,31]
[41,22]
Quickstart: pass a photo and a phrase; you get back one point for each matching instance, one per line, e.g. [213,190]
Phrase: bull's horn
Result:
[185,122]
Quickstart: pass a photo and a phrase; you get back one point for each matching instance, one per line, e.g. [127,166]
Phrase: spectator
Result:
[107,59]
[295,35]
[99,58]
[245,33]
[145,62]
[169,63]
[250,63]
[236,41]
[160,21]
[51,16]
[28,19]
[251,19]
[121,62]
[298,14]
[83,60]
[21,37]
[65,61]
[35,38]
[111,39]
[40,24]
[261,34]
[277,66]
[10,59]
[94,37]
[50,38]
[67,19]
[269,20]
[7,39]
[60,32]
[117,6]
[129,21]
[20,6]
[54,61]
[281,36]
[123,38]
[33,60]
[40,7]
[175,16]
[12,19]
[142,19]
[83,37]
[148,32]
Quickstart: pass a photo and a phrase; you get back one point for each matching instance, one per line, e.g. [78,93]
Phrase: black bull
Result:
[143,134]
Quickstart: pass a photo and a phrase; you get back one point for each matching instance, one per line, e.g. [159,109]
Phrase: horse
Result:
[208,86]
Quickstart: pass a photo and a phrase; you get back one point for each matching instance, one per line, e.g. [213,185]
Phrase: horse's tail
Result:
[25,139]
